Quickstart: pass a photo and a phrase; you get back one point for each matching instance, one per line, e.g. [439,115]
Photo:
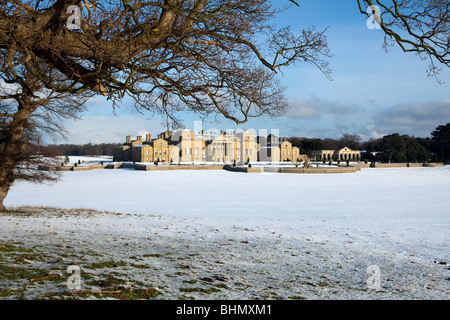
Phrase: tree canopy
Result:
[211,57]
[441,141]
[420,27]
[207,56]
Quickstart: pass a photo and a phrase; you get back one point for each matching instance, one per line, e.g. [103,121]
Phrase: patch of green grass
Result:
[114,293]
[297,298]
[190,281]
[152,255]
[19,273]
[110,281]
[107,264]
[201,290]
[10,292]
[12,247]
[139,266]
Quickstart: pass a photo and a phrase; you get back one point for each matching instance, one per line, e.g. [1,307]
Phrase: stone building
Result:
[290,153]
[276,149]
[268,148]
[160,150]
[225,147]
[322,155]
[187,146]
[344,154]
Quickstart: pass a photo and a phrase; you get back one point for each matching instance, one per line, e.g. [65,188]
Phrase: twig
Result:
[78,292]
[45,278]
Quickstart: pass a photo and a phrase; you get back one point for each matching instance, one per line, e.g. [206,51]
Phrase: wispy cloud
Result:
[316,108]
[322,118]
[105,129]
[417,119]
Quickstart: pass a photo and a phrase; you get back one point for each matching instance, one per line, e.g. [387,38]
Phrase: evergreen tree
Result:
[441,141]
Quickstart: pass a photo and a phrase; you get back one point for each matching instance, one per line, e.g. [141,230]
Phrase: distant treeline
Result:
[390,148]
[104,149]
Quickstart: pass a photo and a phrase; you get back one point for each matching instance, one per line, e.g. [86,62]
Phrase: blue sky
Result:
[373,93]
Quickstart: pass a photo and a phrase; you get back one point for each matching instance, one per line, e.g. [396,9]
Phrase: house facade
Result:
[225,147]
[344,154]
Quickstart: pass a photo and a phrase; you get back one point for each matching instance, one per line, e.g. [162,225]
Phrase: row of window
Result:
[160,152]
[288,153]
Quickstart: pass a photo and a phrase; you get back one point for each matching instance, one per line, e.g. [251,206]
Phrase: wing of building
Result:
[344,154]
[186,146]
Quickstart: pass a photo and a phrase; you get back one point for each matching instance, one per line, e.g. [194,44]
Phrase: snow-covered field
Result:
[373,234]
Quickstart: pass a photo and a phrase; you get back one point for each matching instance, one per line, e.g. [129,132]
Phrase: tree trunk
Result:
[12,153]
[3,193]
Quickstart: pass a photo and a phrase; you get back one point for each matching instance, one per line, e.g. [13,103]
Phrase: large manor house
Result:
[226,147]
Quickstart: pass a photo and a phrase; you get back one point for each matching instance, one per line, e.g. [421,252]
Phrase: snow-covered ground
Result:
[87,160]
[373,234]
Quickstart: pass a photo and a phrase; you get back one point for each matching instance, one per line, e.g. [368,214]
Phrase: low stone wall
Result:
[298,170]
[253,169]
[70,168]
[404,165]
[149,167]
[87,168]
[319,170]
[176,167]
[433,164]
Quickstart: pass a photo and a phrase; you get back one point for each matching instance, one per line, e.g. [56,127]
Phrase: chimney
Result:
[139,138]
[128,139]
[148,137]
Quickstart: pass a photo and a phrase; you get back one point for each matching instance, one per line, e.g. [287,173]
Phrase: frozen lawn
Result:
[249,236]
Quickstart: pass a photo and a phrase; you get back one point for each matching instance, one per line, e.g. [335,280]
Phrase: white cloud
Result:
[416,119]
[103,129]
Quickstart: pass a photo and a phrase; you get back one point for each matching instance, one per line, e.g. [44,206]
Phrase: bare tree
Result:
[422,27]
[207,56]
[27,113]
[352,141]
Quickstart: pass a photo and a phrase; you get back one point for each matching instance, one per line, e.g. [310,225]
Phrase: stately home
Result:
[226,147]
[344,154]
[276,149]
